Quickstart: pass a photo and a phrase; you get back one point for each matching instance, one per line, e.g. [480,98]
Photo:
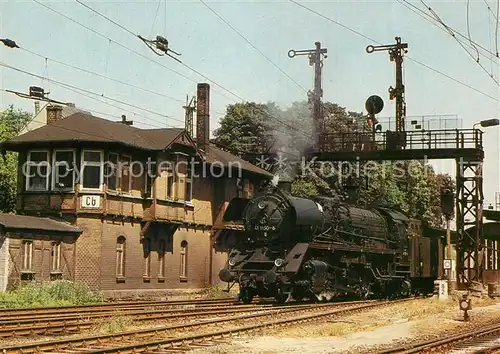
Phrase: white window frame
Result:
[129,169]
[27,255]
[56,256]
[171,176]
[82,167]
[117,171]
[53,174]
[183,261]
[188,180]
[120,257]
[146,177]
[47,183]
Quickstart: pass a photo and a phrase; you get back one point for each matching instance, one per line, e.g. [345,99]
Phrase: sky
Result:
[213,52]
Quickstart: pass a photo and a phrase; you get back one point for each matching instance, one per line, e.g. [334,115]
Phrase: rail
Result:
[415,140]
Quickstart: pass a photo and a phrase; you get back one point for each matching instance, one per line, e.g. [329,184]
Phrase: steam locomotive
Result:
[323,249]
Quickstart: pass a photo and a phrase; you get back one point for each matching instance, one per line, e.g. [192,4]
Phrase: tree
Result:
[245,126]
[11,123]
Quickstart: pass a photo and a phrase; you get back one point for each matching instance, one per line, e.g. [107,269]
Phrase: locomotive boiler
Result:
[321,248]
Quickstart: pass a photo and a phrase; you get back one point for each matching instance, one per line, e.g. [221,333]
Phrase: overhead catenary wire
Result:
[253,46]
[100,75]
[137,36]
[408,57]
[204,76]
[468,30]
[148,58]
[122,45]
[497,22]
[460,43]
[88,91]
[436,23]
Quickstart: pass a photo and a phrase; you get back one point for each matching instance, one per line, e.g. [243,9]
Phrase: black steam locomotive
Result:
[322,248]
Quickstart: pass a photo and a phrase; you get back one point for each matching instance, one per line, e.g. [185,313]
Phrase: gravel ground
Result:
[367,332]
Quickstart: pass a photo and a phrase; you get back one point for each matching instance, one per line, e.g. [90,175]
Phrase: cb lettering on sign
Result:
[90,201]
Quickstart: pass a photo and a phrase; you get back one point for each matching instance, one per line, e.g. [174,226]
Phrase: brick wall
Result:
[197,257]
[88,251]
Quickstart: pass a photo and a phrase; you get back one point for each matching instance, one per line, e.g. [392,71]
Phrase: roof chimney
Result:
[54,113]
[203,115]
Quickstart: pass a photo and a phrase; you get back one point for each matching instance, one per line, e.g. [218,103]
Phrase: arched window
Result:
[120,257]
[161,258]
[146,247]
[183,263]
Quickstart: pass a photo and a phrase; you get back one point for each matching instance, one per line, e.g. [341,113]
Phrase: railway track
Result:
[73,325]
[160,338]
[17,313]
[475,341]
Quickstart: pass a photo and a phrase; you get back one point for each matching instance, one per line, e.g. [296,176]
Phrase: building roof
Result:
[40,118]
[12,221]
[81,127]
[227,159]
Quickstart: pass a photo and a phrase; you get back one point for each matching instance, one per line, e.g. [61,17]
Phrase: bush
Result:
[57,293]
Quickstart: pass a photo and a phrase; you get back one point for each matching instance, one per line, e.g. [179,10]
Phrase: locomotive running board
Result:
[341,247]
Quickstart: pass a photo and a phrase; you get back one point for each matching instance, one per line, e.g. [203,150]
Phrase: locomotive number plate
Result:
[264,228]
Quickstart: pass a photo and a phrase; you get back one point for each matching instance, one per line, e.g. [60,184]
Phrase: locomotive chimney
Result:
[284,181]
[203,115]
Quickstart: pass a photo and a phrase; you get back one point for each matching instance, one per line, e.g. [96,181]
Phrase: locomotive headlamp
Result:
[232,262]
[279,262]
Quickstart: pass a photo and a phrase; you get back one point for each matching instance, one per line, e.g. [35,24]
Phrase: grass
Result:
[217,292]
[372,319]
[113,324]
[57,293]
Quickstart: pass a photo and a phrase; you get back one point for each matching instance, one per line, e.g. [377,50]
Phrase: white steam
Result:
[275,180]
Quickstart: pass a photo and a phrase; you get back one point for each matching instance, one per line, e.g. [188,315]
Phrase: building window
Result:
[37,172]
[27,256]
[146,246]
[161,259]
[111,171]
[56,257]
[148,189]
[64,172]
[125,174]
[189,183]
[183,263]
[171,182]
[92,169]
[120,257]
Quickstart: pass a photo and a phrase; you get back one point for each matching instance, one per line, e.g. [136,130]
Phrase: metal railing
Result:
[417,139]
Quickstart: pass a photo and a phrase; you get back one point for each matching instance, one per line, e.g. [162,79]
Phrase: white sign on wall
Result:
[447,264]
[91,201]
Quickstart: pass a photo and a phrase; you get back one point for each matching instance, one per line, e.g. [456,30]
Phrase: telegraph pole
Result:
[396,53]
[190,107]
[315,59]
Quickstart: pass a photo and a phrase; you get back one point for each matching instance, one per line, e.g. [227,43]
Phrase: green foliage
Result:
[244,125]
[114,324]
[215,292]
[303,188]
[57,293]
[11,123]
